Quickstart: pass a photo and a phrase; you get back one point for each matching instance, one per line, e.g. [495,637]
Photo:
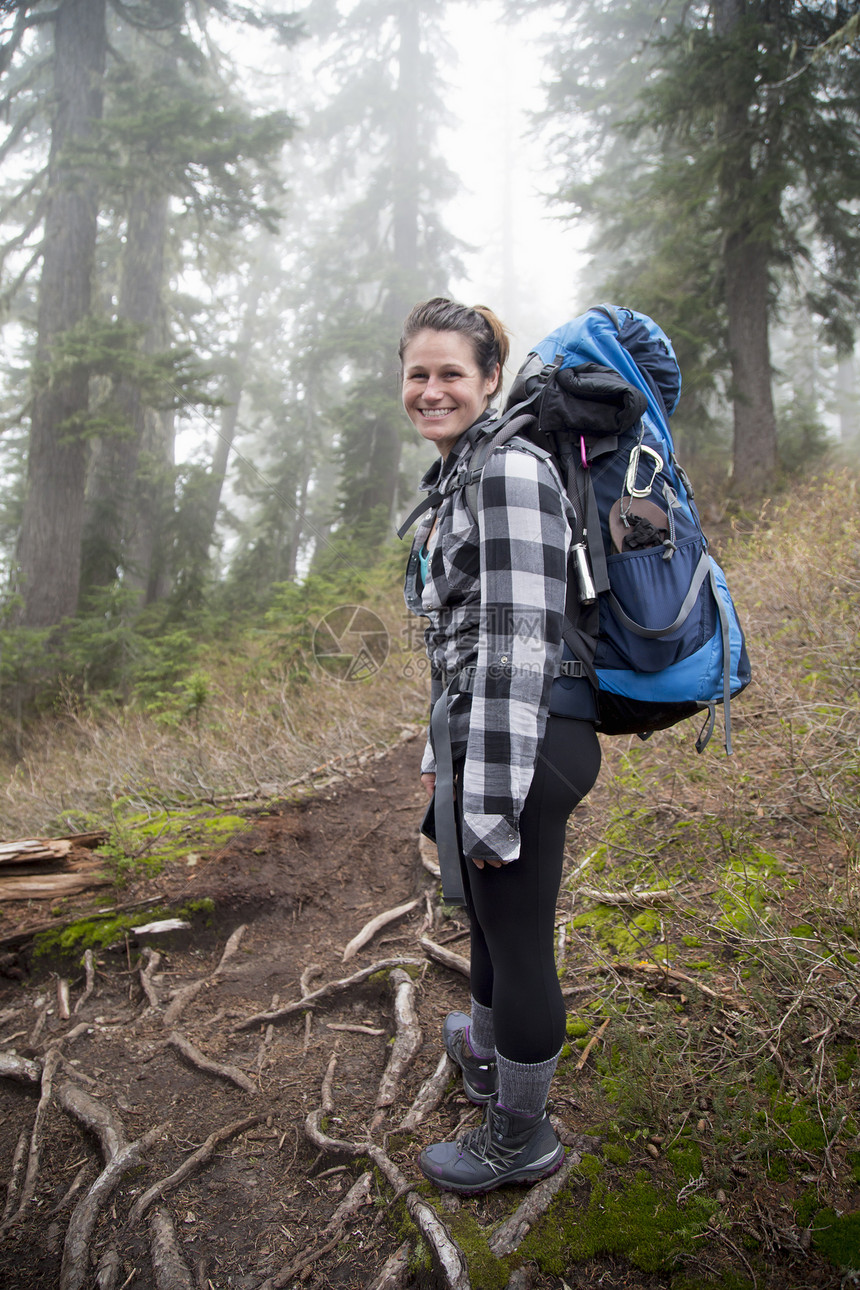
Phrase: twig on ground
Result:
[595,1039]
[444,956]
[429,1094]
[190,1165]
[376,924]
[222,1070]
[407,1041]
[326,992]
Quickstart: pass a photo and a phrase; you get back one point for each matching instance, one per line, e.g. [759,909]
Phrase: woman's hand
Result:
[428,779]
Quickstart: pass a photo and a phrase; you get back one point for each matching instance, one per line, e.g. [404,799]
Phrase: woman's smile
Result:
[444,391]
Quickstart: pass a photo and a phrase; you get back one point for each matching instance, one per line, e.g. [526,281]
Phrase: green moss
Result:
[99,933]
[576,1028]
[837,1237]
[485,1270]
[615,1153]
[686,1160]
[853,1159]
[639,1222]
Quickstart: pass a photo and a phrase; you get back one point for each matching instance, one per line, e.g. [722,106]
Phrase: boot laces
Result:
[481,1143]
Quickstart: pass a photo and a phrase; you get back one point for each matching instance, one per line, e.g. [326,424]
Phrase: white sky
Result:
[498,82]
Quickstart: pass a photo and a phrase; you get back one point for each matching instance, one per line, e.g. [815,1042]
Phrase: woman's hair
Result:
[487,333]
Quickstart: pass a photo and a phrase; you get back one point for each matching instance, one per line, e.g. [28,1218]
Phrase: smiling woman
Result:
[444,390]
[493,586]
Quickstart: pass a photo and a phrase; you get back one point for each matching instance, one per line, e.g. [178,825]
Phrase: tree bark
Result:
[49,547]
[746,264]
[118,517]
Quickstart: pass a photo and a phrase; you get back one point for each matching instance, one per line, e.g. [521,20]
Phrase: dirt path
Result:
[173,1061]
[291,891]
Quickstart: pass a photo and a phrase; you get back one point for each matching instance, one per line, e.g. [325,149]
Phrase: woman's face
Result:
[444,391]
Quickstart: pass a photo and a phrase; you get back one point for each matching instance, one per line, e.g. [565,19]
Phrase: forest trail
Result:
[168,1049]
[242,1104]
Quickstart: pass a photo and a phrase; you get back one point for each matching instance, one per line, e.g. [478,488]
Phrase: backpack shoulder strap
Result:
[515,427]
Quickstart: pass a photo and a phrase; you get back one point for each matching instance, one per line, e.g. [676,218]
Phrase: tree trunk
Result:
[747,287]
[746,263]
[233,393]
[118,516]
[49,549]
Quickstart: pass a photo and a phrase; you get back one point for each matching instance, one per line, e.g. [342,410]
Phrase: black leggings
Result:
[512,908]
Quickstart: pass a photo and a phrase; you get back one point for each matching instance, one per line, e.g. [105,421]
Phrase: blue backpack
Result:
[650,620]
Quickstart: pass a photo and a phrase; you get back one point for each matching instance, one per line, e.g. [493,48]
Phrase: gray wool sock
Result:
[524,1086]
[482,1040]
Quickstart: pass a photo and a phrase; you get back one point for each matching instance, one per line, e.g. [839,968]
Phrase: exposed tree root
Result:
[375,925]
[444,956]
[181,1000]
[169,1268]
[508,1235]
[64,1007]
[407,1041]
[234,940]
[151,960]
[90,969]
[95,1116]
[326,991]
[20,1069]
[203,1063]
[15,1176]
[357,1196]
[394,1273]
[109,1268]
[292,1270]
[429,1094]
[76,1250]
[450,1258]
[52,1061]
[189,1166]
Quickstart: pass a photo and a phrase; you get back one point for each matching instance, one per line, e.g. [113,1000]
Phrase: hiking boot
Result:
[480,1074]
[506,1148]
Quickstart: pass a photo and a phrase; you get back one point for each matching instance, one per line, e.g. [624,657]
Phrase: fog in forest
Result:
[214,220]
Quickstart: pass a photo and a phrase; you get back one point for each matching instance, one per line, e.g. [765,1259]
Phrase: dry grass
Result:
[256,731]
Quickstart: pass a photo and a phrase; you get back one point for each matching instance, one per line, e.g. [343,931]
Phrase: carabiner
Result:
[633,470]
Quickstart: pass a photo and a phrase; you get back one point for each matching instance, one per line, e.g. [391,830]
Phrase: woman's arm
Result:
[524,529]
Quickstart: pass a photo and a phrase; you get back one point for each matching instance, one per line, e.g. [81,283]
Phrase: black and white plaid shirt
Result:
[495,597]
